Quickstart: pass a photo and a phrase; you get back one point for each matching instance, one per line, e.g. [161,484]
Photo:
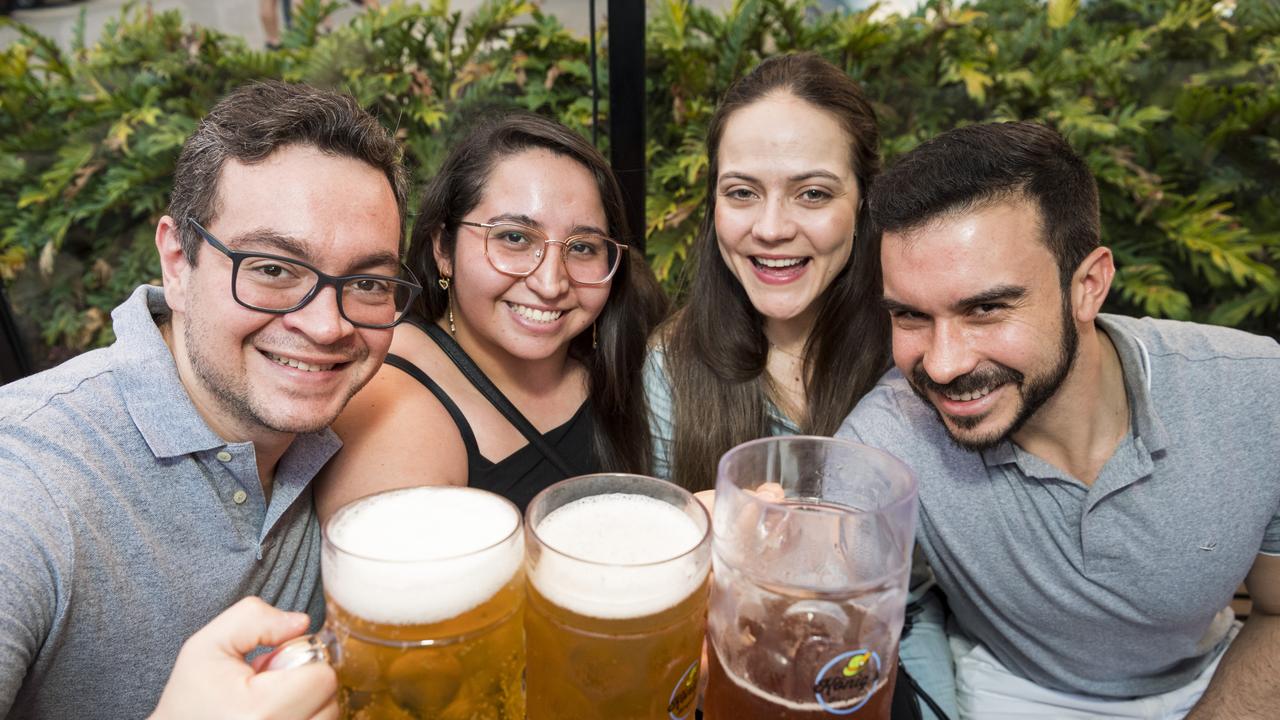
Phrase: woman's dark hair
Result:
[636,302]
[715,347]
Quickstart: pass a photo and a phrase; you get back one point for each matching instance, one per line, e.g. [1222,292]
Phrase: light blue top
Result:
[1115,589]
[120,530]
[662,417]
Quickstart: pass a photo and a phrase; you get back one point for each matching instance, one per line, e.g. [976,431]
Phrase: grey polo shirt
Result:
[126,524]
[1117,589]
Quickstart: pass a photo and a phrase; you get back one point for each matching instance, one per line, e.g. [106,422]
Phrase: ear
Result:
[174,267]
[443,263]
[1091,283]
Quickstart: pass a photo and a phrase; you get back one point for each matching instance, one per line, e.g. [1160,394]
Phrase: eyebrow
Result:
[999,293]
[292,247]
[798,177]
[526,220]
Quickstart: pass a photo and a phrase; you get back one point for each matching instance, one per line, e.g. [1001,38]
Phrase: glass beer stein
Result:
[424,593]
[811,558]
[617,569]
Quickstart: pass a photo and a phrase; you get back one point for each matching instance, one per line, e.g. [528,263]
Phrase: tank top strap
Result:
[464,427]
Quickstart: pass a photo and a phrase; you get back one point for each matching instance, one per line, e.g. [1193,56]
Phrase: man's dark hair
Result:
[969,167]
[254,121]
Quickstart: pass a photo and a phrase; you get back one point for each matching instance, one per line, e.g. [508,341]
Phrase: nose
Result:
[550,279]
[948,355]
[319,319]
[774,222]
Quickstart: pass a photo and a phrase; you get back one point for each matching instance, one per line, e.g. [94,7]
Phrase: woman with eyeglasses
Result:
[519,365]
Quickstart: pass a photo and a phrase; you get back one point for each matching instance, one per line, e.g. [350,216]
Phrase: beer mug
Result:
[617,568]
[424,593]
[810,583]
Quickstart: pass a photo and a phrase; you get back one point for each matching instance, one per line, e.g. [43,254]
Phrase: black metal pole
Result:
[15,363]
[626,108]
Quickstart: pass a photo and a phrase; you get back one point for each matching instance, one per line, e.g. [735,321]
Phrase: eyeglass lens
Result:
[272,284]
[517,249]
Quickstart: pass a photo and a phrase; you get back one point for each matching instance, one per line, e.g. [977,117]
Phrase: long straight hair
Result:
[715,347]
[636,302]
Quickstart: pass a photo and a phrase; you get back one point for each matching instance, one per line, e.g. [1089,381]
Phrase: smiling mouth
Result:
[298,364]
[534,314]
[971,395]
[778,263]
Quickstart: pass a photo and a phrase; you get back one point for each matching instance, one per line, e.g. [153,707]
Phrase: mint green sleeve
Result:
[657,388]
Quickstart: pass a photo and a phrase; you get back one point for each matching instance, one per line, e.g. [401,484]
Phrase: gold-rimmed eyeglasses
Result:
[518,250]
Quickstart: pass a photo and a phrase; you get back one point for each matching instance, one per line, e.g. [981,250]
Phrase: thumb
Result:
[249,623]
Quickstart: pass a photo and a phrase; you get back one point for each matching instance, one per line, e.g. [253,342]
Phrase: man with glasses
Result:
[150,485]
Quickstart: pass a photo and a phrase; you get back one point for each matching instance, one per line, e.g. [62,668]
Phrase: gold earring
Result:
[595,343]
[452,329]
[443,283]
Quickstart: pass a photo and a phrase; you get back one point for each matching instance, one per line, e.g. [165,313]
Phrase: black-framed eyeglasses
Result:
[279,285]
[518,250]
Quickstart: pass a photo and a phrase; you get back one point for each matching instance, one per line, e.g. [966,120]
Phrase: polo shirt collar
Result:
[1135,363]
[156,399]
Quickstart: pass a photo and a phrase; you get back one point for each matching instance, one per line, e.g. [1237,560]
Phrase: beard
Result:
[235,397]
[1033,391]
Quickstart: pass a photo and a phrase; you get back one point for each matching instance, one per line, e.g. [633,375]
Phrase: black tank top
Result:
[525,472]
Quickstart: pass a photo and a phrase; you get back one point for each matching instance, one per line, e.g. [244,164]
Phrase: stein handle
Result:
[305,649]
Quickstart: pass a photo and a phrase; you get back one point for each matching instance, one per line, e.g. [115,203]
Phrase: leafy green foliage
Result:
[1175,104]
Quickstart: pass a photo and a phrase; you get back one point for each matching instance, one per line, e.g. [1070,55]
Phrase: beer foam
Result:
[420,555]
[624,539]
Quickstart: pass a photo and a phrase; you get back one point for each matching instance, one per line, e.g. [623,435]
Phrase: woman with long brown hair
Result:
[780,331]
[532,290]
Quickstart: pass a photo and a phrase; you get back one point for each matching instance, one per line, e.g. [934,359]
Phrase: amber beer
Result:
[617,599]
[425,595]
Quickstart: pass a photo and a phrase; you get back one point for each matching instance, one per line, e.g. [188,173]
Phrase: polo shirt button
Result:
[224,456]
[240,496]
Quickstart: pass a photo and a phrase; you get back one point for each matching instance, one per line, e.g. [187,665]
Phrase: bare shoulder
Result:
[395,434]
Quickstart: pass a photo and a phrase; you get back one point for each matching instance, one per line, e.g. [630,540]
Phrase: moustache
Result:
[987,377]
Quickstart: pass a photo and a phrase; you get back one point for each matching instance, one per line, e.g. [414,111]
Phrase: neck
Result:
[791,335]
[1081,426]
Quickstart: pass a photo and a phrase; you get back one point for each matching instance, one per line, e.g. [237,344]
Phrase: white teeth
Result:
[778,262]
[966,397]
[534,314]
[290,362]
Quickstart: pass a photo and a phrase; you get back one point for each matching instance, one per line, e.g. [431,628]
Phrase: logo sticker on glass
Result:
[847,682]
[685,694]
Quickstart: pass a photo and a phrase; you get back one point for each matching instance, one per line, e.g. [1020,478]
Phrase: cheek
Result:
[593,300]
[907,350]
[732,227]
[377,341]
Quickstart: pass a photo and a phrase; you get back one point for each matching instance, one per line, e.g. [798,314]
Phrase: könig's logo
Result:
[847,681]
[685,694]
